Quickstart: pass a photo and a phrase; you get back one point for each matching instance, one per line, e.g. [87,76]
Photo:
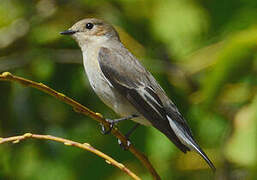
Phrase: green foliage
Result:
[203,53]
[237,56]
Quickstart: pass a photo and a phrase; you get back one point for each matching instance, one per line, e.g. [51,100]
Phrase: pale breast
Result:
[104,89]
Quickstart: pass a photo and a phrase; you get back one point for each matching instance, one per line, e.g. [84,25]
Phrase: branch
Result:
[79,108]
[84,146]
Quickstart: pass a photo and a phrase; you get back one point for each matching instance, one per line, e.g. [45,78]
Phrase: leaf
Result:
[242,145]
[179,24]
[232,63]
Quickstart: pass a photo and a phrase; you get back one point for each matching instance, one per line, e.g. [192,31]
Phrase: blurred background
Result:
[203,53]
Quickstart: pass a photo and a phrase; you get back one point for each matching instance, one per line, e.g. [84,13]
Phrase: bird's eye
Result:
[89,25]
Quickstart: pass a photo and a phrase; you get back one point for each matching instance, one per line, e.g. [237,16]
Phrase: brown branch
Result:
[84,146]
[6,76]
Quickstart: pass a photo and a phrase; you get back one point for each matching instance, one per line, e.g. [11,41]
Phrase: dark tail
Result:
[204,156]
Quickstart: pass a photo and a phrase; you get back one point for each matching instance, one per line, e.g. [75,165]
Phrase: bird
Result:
[126,86]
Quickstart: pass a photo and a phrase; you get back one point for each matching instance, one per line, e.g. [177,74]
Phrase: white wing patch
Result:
[143,93]
[180,134]
[152,98]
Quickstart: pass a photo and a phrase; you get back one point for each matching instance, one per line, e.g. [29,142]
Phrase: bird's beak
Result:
[68,32]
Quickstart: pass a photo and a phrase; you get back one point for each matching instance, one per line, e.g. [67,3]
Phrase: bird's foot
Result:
[123,146]
[128,143]
[112,122]
[103,129]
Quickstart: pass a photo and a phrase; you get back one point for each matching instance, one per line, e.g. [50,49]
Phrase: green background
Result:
[203,53]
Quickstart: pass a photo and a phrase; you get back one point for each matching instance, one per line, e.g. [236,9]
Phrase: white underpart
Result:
[102,87]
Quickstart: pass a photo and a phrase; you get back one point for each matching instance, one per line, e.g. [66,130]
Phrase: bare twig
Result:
[6,76]
[84,146]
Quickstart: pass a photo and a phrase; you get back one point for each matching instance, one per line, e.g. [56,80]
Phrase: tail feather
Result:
[204,156]
[187,139]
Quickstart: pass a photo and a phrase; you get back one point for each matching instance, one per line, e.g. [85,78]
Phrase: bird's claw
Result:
[124,147]
[103,129]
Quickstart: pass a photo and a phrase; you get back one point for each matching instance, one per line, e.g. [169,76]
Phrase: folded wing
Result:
[132,81]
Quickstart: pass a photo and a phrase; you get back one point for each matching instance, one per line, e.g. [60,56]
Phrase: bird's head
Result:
[91,30]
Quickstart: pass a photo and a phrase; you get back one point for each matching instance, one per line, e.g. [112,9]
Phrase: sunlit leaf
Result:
[233,61]
[242,145]
[179,24]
